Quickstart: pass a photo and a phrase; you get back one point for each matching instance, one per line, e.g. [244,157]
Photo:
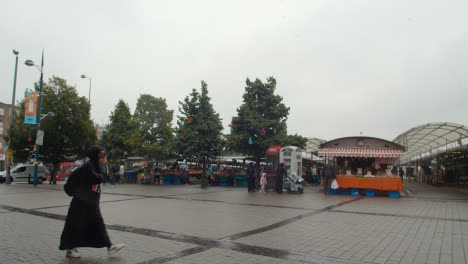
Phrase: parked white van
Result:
[25,173]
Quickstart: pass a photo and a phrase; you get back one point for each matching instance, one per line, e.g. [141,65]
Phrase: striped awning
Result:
[361,152]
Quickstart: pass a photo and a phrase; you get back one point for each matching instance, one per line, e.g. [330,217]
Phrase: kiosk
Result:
[291,157]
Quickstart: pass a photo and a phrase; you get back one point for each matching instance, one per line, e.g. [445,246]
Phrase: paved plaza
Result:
[187,224]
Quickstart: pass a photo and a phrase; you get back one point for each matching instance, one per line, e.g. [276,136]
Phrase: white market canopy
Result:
[313,144]
[431,138]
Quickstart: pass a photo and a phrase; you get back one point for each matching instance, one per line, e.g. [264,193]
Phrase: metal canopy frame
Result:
[429,138]
[313,145]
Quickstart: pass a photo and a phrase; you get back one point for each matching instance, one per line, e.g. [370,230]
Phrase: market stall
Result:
[365,164]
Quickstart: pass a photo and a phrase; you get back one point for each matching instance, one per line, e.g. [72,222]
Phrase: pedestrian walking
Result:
[84,226]
[251,177]
[280,171]
[263,183]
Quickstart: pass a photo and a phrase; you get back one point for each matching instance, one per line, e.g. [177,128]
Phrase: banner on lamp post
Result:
[30,108]
[40,137]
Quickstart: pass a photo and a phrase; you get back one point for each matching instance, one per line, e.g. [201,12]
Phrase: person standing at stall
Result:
[84,226]
[280,171]
[329,174]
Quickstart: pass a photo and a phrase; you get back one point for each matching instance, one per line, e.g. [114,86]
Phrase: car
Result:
[25,173]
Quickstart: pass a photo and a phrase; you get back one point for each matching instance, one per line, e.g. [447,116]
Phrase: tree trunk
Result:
[204,168]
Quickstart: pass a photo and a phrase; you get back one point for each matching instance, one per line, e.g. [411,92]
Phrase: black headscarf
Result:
[93,152]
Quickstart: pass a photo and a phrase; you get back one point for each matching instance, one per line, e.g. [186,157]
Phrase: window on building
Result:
[1,127]
[2,111]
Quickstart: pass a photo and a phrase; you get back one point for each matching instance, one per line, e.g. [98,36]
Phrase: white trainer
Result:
[73,253]
[115,247]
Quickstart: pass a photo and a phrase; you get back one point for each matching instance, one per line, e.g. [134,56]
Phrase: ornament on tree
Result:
[250,141]
[262,132]
[190,120]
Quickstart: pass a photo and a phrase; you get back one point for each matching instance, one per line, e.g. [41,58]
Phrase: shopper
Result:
[263,183]
[84,226]
[329,174]
[121,173]
[280,171]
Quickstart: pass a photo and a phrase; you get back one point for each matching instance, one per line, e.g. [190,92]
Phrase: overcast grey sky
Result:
[380,67]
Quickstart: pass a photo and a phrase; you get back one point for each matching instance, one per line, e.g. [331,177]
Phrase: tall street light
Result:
[39,109]
[89,78]
[12,116]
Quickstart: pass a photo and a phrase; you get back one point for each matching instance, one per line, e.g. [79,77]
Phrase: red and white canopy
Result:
[361,152]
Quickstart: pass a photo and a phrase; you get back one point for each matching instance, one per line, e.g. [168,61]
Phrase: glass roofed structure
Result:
[431,139]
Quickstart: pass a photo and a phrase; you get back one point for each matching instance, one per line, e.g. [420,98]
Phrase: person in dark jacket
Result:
[84,226]
[280,171]
[329,174]
[251,177]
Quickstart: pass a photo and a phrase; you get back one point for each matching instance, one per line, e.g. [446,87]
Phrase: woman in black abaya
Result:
[84,226]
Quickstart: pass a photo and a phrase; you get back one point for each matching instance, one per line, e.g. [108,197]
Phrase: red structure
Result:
[272,162]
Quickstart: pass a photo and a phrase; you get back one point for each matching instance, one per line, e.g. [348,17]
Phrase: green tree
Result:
[199,128]
[66,135]
[260,121]
[120,134]
[154,135]
[21,137]
[295,140]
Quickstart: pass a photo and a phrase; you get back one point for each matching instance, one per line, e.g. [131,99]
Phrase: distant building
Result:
[99,130]
[5,114]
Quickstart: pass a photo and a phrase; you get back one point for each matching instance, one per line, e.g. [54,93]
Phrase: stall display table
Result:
[171,177]
[385,183]
[221,178]
[240,180]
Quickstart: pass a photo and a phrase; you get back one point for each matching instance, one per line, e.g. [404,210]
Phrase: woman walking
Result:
[84,226]
[263,182]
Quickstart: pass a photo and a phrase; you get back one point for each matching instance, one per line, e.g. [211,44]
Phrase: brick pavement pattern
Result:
[187,224]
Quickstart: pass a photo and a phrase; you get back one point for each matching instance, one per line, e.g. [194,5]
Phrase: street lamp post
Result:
[89,78]
[39,109]
[12,116]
